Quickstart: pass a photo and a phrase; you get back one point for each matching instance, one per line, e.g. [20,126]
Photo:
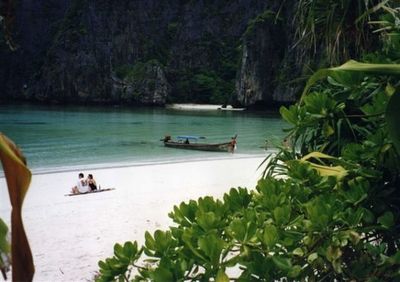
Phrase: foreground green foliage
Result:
[333,216]
[340,25]
[325,210]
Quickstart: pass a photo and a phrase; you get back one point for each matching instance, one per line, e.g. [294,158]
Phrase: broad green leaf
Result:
[160,244]
[208,204]
[298,252]
[238,229]
[237,198]
[311,257]
[392,119]
[351,66]
[162,274]
[357,191]
[270,235]
[103,265]
[119,253]
[355,216]
[207,220]
[319,104]
[290,115]
[212,246]
[221,276]
[320,211]
[4,246]
[18,178]
[149,241]
[327,129]
[317,155]
[337,266]
[185,213]
[386,220]
[333,253]
[295,271]
[163,240]
[354,237]
[337,171]
[282,263]
[282,214]
[377,105]
[389,89]
[345,79]
[395,259]
[320,74]
[186,238]
[324,170]
[130,249]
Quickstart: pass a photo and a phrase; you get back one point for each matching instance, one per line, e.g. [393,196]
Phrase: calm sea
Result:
[55,138]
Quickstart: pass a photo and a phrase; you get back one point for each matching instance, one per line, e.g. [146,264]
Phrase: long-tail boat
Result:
[190,143]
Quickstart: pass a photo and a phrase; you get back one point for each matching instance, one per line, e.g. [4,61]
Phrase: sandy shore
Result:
[69,235]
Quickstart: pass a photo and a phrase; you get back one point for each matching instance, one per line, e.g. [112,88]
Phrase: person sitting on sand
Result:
[91,182]
[81,186]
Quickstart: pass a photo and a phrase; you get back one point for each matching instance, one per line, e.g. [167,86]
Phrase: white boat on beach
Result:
[230,108]
[206,107]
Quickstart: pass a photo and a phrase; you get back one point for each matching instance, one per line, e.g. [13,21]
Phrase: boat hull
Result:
[220,147]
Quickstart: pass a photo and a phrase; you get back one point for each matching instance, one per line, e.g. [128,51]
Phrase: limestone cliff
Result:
[264,46]
[36,23]
[149,52]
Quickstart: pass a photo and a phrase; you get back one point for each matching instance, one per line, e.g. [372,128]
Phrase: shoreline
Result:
[161,161]
[69,235]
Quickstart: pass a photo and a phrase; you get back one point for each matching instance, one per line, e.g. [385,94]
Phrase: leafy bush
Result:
[326,208]
[333,216]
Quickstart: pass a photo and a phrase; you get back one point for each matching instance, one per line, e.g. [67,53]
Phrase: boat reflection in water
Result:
[191,143]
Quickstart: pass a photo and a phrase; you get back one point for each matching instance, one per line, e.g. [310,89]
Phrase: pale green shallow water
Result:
[55,138]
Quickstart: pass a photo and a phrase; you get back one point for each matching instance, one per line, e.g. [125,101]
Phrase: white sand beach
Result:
[69,235]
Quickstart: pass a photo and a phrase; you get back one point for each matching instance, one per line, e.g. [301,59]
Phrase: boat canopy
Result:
[190,137]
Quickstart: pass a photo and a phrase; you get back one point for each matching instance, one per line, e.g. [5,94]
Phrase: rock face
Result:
[149,52]
[263,53]
[36,23]
[150,88]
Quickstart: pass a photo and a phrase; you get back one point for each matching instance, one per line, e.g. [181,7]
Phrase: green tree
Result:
[339,27]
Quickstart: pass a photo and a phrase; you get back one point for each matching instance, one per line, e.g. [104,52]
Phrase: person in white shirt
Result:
[81,186]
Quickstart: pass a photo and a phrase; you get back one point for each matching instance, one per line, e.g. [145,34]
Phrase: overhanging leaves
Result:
[351,66]
[393,119]
[18,178]
[324,170]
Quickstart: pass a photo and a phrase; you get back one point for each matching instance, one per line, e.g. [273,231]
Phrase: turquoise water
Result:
[55,138]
